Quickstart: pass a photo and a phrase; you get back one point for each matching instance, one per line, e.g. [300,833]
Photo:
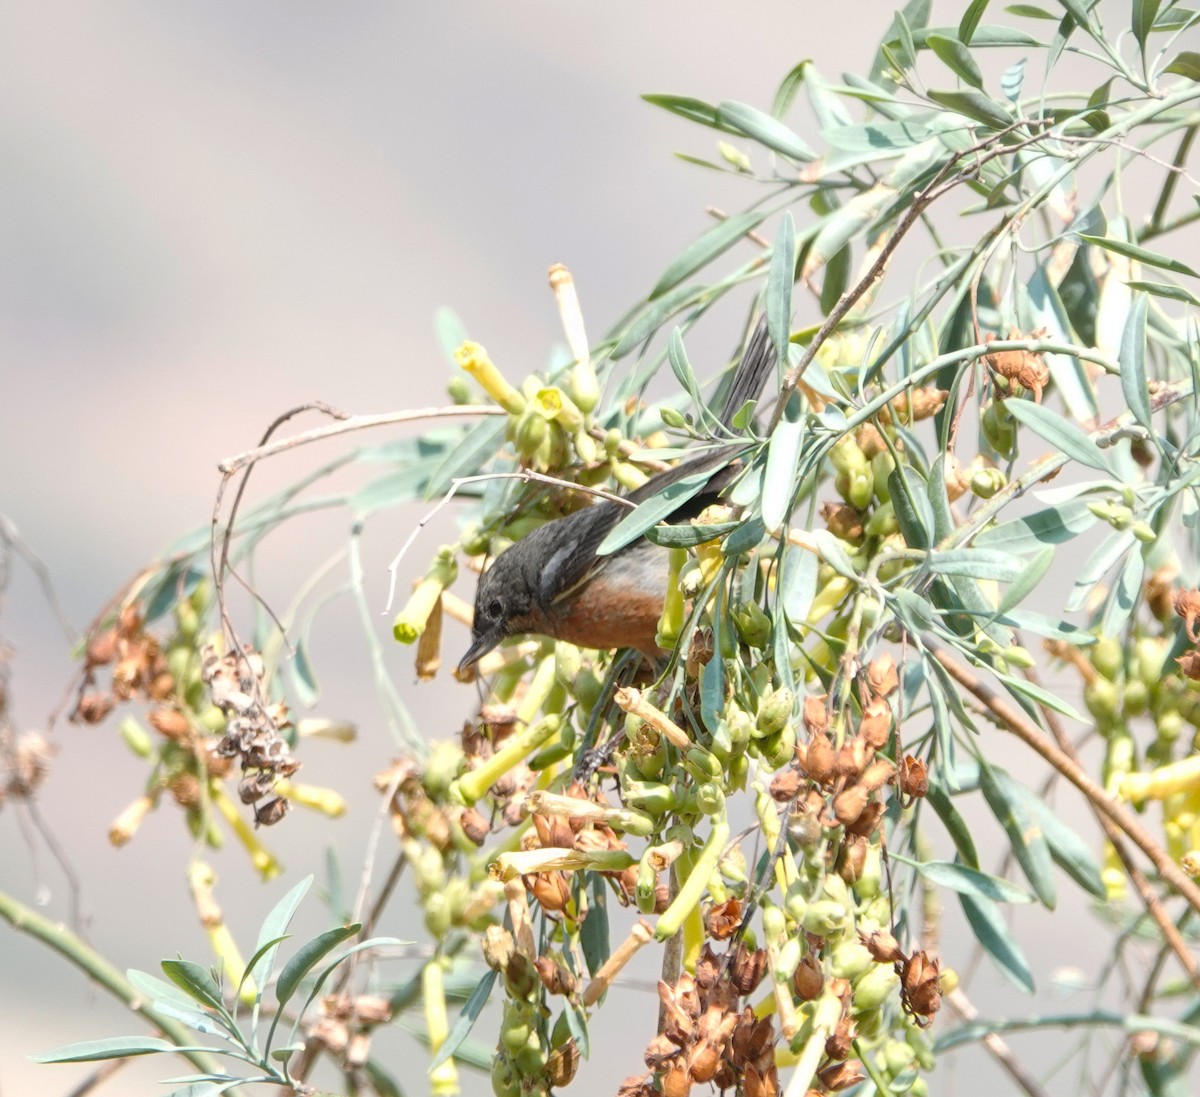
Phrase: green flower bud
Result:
[1101,699]
[788,959]
[999,428]
[774,712]
[672,417]
[753,626]
[882,465]
[649,796]
[136,737]
[459,389]
[877,985]
[586,447]
[824,917]
[849,960]
[529,432]
[987,482]
[710,799]
[860,488]
[847,456]
[1150,656]
[795,902]
[774,925]
[897,1057]
[1135,698]
[882,522]
[1107,657]
[582,387]
[779,750]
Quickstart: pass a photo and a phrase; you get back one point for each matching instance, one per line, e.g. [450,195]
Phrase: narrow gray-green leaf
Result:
[1051,526]
[1161,289]
[653,511]
[115,1047]
[1133,362]
[303,677]
[309,955]
[706,247]
[987,923]
[956,826]
[780,282]
[910,501]
[969,881]
[1013,79]
[465,1021]
[1010,806]
[1031,11]
[195,981]
[970,20]
[1103,557]
[1070,852]
[274,926]
[677,357]
[779,483]
[977,563]
[1061,433]
[957,58]
[1142,255]
[797,582]
[988,34]
[1030,576]
[974,105]
[694,110]
[765,129]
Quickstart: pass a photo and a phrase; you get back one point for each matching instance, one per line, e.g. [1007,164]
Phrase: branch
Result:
[1015,721]
[96,967]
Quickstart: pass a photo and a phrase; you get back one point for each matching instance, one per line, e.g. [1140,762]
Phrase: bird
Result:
[553,583]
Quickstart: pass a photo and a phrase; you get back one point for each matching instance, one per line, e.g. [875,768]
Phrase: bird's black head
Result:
[503,602]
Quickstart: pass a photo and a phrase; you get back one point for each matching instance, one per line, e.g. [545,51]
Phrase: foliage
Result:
[1002,304]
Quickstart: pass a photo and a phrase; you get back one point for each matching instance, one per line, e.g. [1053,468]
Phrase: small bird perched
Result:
[553,583]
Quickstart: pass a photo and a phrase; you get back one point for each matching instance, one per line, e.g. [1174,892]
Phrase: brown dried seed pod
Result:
[819,758]
[883,947]
[816,717]
[852,858]
[722,920]
[677,1081]
[92,708]
[746,968]
[875,727]
[169,722]
[868,822]
[877,774]
[839,1076]
[1189,665]
[785,784]
[475,825]
[882,676]
[102,648]
[841,1040]
[914,776]
[849,804]
[808,980]
[562,1064]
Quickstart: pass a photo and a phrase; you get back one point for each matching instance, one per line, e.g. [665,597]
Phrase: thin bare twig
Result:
[346,425]
[996,1047]
[524,475]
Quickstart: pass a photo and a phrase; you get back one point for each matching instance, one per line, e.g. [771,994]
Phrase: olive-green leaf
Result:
[694,110]
[1030,11]
[1010,804]
[780,283]
[706,247]
[194,981]
[115,1047]
[957,58]
[767,130]
[970,20]
[309,955]
[974,105]
[969,881]
[1132,357]
[1142,255]
[1162,289]
[1186,63]
[1056,430]
[987,923]
[1142,21]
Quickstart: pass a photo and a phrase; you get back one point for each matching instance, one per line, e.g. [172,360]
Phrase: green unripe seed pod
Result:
[849,960]
[1107,656]
[1135,698]
[774,925]
[824,917]
[459,389]
[774,712]
[788,959]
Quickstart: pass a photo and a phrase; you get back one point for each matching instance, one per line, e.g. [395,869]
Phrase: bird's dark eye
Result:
[495,608]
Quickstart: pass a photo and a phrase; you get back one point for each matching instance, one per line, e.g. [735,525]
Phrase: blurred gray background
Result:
[214,211]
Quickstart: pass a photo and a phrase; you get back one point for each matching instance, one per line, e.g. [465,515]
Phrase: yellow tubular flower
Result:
[412,619]
[1158,784]
[693,888]
[474,359]
[670,624]
[262,859]
[443,1081]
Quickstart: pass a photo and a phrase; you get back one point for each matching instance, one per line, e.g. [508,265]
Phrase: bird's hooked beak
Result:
[480,646]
